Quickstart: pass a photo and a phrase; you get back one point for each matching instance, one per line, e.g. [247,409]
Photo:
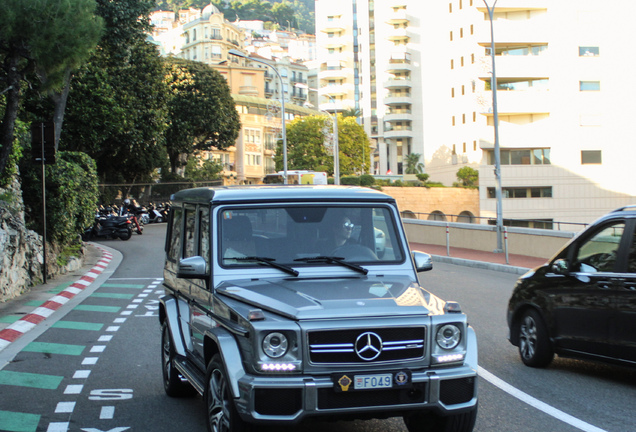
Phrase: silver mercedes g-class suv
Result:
[284,303]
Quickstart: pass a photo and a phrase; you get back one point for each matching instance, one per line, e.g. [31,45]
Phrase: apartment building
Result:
[206,36]
[421,74]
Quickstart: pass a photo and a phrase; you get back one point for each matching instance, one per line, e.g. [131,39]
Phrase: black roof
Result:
[285,193]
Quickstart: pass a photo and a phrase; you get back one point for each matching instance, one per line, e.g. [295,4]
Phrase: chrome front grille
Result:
[366,345]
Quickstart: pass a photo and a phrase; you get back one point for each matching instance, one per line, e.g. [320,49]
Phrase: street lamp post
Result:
[493,85]
[336,144]
[282,104]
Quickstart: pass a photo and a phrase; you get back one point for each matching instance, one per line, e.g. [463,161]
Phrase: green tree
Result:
[198,170]
[469,177]
[413,164]
[306,150]
[202,113]
[45,37]
[117,105]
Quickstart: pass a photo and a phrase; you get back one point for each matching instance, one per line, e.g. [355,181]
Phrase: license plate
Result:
[375,381]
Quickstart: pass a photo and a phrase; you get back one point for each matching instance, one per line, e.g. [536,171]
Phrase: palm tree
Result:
[352,112]
[413,164]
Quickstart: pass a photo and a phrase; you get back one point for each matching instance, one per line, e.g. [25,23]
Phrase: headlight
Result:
[275,345]
[448,336]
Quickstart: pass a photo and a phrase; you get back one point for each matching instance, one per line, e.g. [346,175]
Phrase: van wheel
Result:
[222,414]
[432,422]
[534,344]
[173,383]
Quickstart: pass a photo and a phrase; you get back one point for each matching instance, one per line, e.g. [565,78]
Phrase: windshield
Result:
[305,235]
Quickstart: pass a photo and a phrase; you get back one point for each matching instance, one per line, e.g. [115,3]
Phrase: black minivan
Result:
[582,303]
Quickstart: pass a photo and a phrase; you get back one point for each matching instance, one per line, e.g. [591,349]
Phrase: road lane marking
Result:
[95,308]
[107,413]
[78,325]
[73,389]
[112,295]
[25,379]
[81,374]
[58,427]
[64,407]
[54,348]
[114,285]
[15,421]
[536,403]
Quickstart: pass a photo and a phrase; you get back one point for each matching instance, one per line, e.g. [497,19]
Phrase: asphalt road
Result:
[98,367]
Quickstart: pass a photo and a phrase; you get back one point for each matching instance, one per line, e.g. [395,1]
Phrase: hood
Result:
[301,299]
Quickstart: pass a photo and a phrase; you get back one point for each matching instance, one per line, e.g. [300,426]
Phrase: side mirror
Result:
[192,268]
[561,267]
[423,261]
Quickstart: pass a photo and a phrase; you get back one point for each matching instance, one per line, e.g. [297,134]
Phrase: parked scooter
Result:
[109,225]
[157,214]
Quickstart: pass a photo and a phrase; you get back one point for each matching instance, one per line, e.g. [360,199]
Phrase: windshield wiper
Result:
[270,262]
[334,260]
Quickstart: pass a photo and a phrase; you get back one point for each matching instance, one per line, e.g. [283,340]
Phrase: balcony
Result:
[402,132]
[397,83]
[515,102]
[519,136]
[333,26]
[398,116]
[400,61]
[399,34]
[517,5]
[335,73]
[335,42]
[514,31]
[398,16]
[398,100]
[336,90]
[516,66]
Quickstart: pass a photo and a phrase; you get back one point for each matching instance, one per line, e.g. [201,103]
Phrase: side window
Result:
[204,235]
[175,234]
[189,233]
[631,259]
[599,252]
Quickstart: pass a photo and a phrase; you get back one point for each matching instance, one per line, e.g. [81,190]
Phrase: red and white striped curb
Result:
[29,321]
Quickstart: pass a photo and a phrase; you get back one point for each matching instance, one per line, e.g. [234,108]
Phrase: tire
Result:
[535,349]
[173,384]
[221,411]
[432,422]
[127,235]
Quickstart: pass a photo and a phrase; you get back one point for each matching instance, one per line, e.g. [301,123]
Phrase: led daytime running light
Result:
[450,358]
[278,367]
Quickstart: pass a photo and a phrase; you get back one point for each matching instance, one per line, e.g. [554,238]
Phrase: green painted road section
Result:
[18,422]
[54,348]
[95,308]
[10,319]
[113,295]
[113,285]
[76,325]
[24,379]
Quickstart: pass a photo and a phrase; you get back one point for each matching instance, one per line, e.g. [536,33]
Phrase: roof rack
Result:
[626,208]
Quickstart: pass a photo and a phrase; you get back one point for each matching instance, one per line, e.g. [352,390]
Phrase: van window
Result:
[599,252]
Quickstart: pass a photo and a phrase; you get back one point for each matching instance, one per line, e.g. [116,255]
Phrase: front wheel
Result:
[432,422]
[222,414]
[173,384]
[534,344]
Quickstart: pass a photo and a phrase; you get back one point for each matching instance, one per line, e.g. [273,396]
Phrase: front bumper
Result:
[290,399]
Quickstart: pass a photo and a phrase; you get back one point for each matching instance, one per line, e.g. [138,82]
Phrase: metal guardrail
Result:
[519,223]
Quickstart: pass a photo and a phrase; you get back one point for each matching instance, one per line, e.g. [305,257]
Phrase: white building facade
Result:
[421,71]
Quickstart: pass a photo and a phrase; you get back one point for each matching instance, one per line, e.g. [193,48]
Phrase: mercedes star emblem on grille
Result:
[368,346]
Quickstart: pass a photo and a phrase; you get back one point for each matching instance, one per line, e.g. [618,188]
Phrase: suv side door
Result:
[583,302]
[197,243]
[623,330]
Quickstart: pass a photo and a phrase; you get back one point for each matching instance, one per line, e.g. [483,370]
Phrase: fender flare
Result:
[227,347]
[168,312]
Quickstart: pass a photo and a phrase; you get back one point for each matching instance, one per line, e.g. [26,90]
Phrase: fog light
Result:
[278,367]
